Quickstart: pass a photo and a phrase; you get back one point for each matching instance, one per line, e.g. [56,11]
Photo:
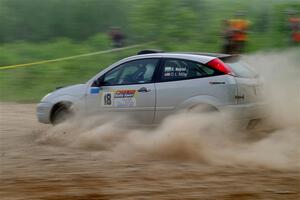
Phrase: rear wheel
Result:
[208,118]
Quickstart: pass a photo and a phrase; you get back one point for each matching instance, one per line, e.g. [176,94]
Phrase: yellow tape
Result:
[70,57]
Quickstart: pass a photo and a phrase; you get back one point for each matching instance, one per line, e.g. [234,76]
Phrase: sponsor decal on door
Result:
[119,98]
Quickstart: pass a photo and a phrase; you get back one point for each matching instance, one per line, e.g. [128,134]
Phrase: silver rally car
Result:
[152,85]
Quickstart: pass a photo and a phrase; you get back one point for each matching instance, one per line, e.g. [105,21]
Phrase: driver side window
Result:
[133,72]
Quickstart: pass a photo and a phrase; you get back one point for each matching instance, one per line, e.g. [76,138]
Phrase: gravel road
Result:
[34,169]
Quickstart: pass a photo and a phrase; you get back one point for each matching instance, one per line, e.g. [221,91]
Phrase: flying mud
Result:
[189,156]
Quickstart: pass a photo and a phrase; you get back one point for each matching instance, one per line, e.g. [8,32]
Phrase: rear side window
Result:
[177,69]
[241,69]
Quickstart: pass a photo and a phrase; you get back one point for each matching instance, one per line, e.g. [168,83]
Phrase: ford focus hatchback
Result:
[153,85]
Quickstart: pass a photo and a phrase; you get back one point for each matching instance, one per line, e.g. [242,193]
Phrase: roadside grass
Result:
[30,84]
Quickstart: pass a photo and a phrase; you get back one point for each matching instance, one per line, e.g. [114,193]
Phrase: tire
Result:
[60,114]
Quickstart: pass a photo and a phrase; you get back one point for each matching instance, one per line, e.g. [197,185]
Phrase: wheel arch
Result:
[205,106]
[205,100]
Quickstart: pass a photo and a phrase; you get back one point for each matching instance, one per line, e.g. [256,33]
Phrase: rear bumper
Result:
[43,112]
[242,114]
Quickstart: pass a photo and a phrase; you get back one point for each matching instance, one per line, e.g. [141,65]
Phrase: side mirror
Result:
[97,83]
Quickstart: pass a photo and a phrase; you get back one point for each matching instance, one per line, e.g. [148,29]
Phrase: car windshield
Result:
[240,68]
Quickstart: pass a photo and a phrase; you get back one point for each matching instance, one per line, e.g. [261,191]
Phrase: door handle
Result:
[144,89]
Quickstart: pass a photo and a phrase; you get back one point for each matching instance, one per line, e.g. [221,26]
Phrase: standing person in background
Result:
[117,37]
[227,34]
[294,27]
[239,27]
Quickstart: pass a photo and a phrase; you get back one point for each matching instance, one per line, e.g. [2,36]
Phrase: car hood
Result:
[77,90]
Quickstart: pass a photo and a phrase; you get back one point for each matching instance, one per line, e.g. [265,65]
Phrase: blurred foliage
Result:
[33,30]
[197,24]
[36,20]
[167,21]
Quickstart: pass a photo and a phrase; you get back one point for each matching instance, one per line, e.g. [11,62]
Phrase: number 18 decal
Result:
[107,99]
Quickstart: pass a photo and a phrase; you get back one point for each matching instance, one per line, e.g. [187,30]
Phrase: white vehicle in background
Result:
[154,84]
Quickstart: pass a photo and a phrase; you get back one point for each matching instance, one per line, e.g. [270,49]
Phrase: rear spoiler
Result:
[230,58]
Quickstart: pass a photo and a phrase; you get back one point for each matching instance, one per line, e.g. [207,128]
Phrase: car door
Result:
[129,90]
[180,80]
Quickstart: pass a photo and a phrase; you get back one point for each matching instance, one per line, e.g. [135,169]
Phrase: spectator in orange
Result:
[239,27]
[294,27]
[227,34]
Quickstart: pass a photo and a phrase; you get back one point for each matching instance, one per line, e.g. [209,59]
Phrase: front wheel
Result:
[61,114]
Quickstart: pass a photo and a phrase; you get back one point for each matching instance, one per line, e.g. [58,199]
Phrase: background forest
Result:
[34,30]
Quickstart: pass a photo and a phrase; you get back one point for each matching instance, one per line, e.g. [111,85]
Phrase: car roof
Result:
[151,51]
[202,57]
[217,55]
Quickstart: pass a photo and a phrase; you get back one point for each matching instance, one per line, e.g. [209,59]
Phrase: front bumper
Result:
[44,112]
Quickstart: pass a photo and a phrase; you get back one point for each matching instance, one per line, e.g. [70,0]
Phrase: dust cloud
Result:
[202,137]
[188,156]
[280,72]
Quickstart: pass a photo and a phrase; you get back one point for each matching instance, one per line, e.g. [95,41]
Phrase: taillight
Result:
[220,66]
